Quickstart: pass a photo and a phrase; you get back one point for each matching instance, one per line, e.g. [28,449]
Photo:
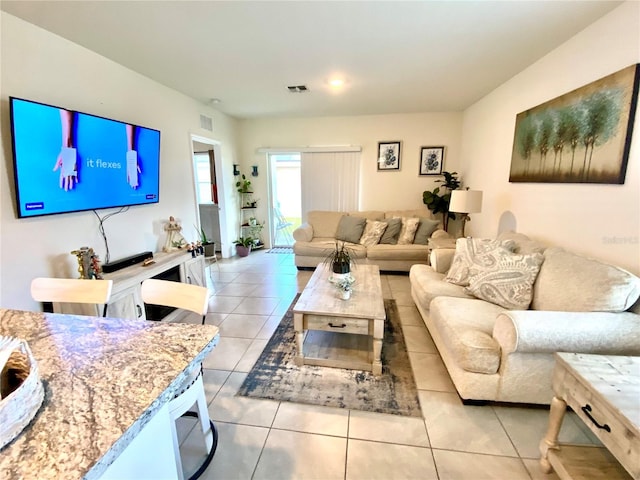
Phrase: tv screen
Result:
[69,161]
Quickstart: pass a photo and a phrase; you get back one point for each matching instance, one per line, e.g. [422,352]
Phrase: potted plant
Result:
[340,259]
[244,185]
[440,203]
[208,245]
[255,228]
[344,285]
[243,246]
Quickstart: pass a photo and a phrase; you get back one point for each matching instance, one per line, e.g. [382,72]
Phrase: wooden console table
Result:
[126,300]
[604,391]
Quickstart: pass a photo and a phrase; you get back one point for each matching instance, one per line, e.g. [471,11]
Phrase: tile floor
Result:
[264,439]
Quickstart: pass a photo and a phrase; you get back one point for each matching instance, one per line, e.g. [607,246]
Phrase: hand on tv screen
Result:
[133,169]
[67,159]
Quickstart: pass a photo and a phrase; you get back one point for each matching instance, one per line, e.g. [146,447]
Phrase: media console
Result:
[126,299]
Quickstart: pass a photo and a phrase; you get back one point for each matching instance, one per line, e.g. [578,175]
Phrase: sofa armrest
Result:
[441,259]
[440,233]
[535,331]
[304,233]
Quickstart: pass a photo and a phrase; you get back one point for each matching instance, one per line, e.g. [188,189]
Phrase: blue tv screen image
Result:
[68,161]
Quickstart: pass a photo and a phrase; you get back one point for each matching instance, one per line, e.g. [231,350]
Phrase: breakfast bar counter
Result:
[106,381]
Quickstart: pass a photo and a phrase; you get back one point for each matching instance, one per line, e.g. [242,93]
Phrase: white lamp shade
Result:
[466,201]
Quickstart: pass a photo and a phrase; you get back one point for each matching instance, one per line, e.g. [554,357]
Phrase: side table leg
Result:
[298,327]
[550,440]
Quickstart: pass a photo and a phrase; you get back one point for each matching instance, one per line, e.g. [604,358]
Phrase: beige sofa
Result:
[578,305]
[316,238]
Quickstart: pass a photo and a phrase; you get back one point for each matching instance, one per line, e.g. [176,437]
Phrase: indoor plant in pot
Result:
[243,245]
[344,286]
[440,203]
[208,245]
[244,185]
[340,259]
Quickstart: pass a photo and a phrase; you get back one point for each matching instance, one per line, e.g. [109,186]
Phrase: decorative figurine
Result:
[175,240]
[88,263]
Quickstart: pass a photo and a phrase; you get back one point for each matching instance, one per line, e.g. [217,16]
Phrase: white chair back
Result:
[71,290]
[176,294]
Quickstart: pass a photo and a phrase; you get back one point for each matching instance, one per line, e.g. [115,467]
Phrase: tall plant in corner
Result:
[439,204]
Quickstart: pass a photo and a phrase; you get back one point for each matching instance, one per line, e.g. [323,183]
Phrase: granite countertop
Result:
[104,378]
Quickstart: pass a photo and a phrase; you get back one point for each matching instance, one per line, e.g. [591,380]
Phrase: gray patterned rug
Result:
[275,375]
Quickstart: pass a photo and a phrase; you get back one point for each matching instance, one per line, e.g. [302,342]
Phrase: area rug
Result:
[280,250]
[275,375]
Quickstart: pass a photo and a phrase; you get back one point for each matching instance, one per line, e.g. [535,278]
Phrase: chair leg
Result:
[176,450]
[206,425]
[203,414]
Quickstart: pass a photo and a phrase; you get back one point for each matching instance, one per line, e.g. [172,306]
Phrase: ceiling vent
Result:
[206,122]
[298,88]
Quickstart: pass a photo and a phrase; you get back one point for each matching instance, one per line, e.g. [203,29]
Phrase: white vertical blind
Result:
[330,181]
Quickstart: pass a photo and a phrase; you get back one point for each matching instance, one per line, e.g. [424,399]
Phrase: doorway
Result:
[207,170]
[286,210]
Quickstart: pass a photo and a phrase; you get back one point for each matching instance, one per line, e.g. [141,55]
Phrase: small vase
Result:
[345,294]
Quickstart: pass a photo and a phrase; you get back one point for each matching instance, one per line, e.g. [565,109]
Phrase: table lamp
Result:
[465,202]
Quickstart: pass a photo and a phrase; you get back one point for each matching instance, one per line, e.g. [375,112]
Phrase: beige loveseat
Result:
[316,238]
[578,305]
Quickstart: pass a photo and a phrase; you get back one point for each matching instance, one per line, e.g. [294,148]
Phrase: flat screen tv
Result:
[68,161]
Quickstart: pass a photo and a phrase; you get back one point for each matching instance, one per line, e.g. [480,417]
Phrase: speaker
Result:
[126,262]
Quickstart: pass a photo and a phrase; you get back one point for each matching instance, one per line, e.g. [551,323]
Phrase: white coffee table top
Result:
[321,297]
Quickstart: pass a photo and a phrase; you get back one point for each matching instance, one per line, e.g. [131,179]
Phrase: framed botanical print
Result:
[431,160]
[388,156]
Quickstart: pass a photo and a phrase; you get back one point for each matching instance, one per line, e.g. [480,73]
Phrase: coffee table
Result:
[604,391]
[332,332]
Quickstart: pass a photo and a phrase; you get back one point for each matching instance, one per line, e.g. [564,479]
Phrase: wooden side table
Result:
[604,391]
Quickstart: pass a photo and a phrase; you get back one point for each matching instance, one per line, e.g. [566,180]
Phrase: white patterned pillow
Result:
[467,252]
[408,231]
[506,280]
[372,233]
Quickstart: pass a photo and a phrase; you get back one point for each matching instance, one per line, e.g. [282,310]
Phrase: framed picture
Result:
[431,160]
[583,136]
[388,156]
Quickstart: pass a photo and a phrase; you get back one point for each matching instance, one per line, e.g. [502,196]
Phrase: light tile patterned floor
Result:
[264,439]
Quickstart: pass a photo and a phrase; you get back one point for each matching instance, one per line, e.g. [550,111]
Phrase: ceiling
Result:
[396,56]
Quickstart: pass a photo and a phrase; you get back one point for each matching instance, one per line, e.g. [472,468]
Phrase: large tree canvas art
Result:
[583,136]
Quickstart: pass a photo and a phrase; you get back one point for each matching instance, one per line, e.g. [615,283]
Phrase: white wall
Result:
[602,221]
[38,65]
[386,190]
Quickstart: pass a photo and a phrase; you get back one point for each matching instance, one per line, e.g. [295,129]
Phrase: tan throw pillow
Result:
[391,233]
[408,230]
[350,228]
[507,280]
[425,229]
[372,232]
[467,250]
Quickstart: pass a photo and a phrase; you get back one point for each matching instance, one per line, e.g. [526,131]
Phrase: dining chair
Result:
[71,290]
[193,298]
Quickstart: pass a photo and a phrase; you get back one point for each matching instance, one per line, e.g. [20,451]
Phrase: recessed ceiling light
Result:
[336,82]
[215,100]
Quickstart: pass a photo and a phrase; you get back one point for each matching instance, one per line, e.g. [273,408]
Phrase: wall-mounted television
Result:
[68,161]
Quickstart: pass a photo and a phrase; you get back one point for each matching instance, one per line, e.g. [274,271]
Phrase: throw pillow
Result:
[507,280]
[408,230]
[350,228]
[467,250]
[425,229]
[372,232]
[392,232]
